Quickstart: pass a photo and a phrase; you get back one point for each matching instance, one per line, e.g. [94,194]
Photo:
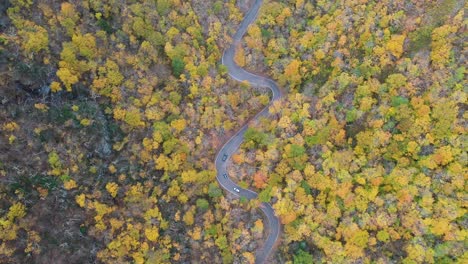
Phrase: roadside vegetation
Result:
[110,118]
[366,160]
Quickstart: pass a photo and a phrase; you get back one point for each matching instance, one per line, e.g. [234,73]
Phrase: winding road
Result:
[232,145]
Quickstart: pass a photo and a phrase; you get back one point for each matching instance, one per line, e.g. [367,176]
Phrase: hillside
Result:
[112,112]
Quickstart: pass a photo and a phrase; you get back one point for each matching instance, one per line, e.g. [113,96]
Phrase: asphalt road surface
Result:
[232,145]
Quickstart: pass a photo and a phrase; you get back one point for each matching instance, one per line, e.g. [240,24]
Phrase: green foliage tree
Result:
[178,66]
[202,204]
[303,257]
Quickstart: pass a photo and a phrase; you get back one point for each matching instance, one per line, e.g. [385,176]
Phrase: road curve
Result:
[232,145]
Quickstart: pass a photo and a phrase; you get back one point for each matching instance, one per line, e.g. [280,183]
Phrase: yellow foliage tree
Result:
[292,74]
[239,57]
[152,233]
[112,188]
[395,45]
[188,218]
[35,38]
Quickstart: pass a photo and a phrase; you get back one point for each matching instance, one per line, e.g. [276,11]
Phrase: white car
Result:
[236,190]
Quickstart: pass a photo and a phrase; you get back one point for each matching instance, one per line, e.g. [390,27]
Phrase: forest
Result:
[112,112]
